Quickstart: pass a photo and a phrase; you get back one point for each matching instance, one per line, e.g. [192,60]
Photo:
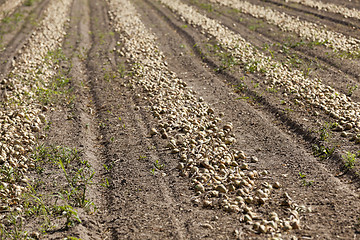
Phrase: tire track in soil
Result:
[333,70]
[350,67]
[302,129]
[7,9]
[73,131]
[286,122]
[122,153]
[346,30]
[284,152]
[14,41]
[332,17]
[99,53]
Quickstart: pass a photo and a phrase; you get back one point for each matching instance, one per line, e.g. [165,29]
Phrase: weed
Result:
[159,166]
[324,132]
[57,88]
[69,213]
[305,182]
[227,61]
[258,24]
[82,54]
[121,70]
[206,6]
[323,152]
[242,98]
[60,204]
[108,167]
[307,71]
[15,220]
[108,76]
[28,3]
[142,157]
[77,172]
[106,183]
[272,90]
[302,175]
[295,61]
[308,183]
[349,160]
[241,87]
[351,89]
[254,66]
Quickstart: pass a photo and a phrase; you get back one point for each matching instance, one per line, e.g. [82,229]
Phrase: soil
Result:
[110,125]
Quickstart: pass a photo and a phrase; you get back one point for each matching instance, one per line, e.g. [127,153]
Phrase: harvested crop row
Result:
[305,90]
[310,31]
[329,7]
[221,175]
[20,115]
[9,7]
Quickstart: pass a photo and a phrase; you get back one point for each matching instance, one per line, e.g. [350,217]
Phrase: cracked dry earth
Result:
[179,119]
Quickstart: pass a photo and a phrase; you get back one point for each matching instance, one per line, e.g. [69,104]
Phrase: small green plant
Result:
[69,213]
[159,166]
[351,89]
[206,6]
[105,183]
[121,70]
[349,160]
[271,90]
[108,167]
[57,89]
[305,182]
[72,238]
[308,183]
[323,152]
[142,157]
[302,175]
[28,3]
[242,98]
[324,132]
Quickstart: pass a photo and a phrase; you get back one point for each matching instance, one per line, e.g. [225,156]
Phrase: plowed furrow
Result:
[329,7]
[323,15]
[310,31]
[208,81]
[326,66]
[8,7]
[12,40]
[257,61]
[301,128]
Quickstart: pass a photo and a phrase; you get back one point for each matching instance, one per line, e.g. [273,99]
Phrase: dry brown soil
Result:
[110,125]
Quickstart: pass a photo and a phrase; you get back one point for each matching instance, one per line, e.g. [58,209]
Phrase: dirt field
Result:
[179,119]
